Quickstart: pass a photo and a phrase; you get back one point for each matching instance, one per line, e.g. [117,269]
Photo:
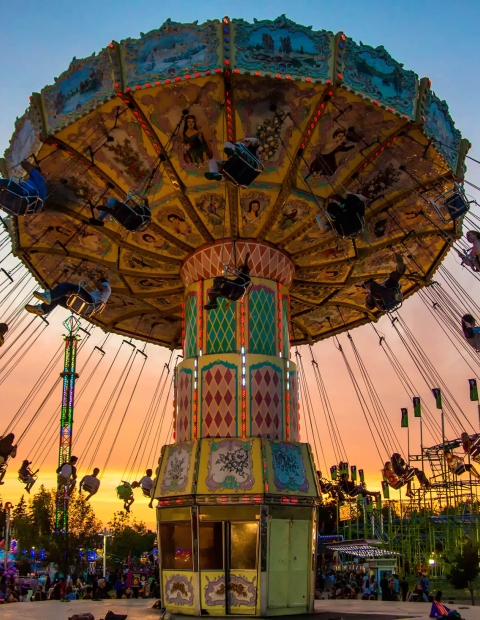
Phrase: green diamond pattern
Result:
[262,322]
[221,328]
[191,326]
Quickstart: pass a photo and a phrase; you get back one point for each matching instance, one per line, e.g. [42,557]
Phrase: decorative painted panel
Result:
[290,469]
[218,400]
[376,74]
[261,305]
[242,591]
[86,83]
[440,126]
[174,49]
[221,328]
[184,405]
[213,594]
[179,591]
[191,325]
[25,142]
[265,262]
[294,412]
[177,467]
[230,466]
[282,46]
[266,401]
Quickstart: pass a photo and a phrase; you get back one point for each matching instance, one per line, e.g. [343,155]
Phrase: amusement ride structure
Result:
[137,126]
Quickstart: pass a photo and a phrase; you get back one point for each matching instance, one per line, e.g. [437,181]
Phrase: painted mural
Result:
[85,82]
[25,142]
[288,467]
[254,206]
[439,125]
[176,222]
[152,241]
[188,118]
[274,129]
[347,128]
[374,72]
[282,46]
[175,478]
[212,206]
[230,465]
[174,49]
[179,590]
[136,261]
[214,591]
[293,214]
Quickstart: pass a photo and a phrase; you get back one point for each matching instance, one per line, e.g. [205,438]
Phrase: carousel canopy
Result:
[332,116]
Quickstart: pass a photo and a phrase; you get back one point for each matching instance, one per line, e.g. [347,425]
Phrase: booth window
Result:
[176,545]
[243,553]
[211,546]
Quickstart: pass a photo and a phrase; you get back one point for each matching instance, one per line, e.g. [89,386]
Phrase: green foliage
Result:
[465,568]
[130,537]
[33,524]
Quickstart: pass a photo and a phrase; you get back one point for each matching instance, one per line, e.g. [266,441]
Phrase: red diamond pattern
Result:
[265,262]
[184,400]
[294,433]
[266,402]
[219,403]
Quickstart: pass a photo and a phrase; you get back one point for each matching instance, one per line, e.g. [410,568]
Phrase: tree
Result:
[465,568]
[129,537]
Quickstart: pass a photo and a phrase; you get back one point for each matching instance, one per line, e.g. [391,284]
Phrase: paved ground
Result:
[142,610]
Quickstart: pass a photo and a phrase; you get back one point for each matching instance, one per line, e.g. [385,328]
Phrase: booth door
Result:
[289,564]
[228,567]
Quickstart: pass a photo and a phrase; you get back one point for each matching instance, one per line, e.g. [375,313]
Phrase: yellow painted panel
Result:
[177,470]
[230,466]
[178,591]
[212,596]
[244,592]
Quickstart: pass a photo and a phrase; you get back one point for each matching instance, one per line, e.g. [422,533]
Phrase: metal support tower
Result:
[72,324]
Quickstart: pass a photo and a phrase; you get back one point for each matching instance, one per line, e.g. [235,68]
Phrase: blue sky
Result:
[437,39]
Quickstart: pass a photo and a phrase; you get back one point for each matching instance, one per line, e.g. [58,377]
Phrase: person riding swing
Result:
[7,450]
[19,197]
[397,482]
[242,166]
[233,290]
[347,215]
[387,295]
[133,214]
[27,476]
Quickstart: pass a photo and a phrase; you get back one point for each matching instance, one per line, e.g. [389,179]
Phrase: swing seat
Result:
[15,199]
[393,304]
[474,263]
[351,230]
[452,204]
[245,282]
[146,493]
[124,494]
[77,304]
[133,214]
[243,167]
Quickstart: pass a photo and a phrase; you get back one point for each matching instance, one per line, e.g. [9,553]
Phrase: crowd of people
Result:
[365,586]
[85,586]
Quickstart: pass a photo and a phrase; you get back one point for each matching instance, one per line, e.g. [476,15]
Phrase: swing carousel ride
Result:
[141,122]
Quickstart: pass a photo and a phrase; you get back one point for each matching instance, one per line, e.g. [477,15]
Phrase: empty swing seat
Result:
[79,305]
[243,167]
[451,204]
[19,198]
[133,214]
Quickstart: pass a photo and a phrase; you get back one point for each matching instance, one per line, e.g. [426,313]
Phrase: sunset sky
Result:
[38,41]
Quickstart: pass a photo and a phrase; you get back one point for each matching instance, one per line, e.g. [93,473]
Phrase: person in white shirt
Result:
[147,484]
[90,484]
[59,295]
[67,474]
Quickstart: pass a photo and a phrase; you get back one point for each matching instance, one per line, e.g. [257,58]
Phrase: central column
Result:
[236,378]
